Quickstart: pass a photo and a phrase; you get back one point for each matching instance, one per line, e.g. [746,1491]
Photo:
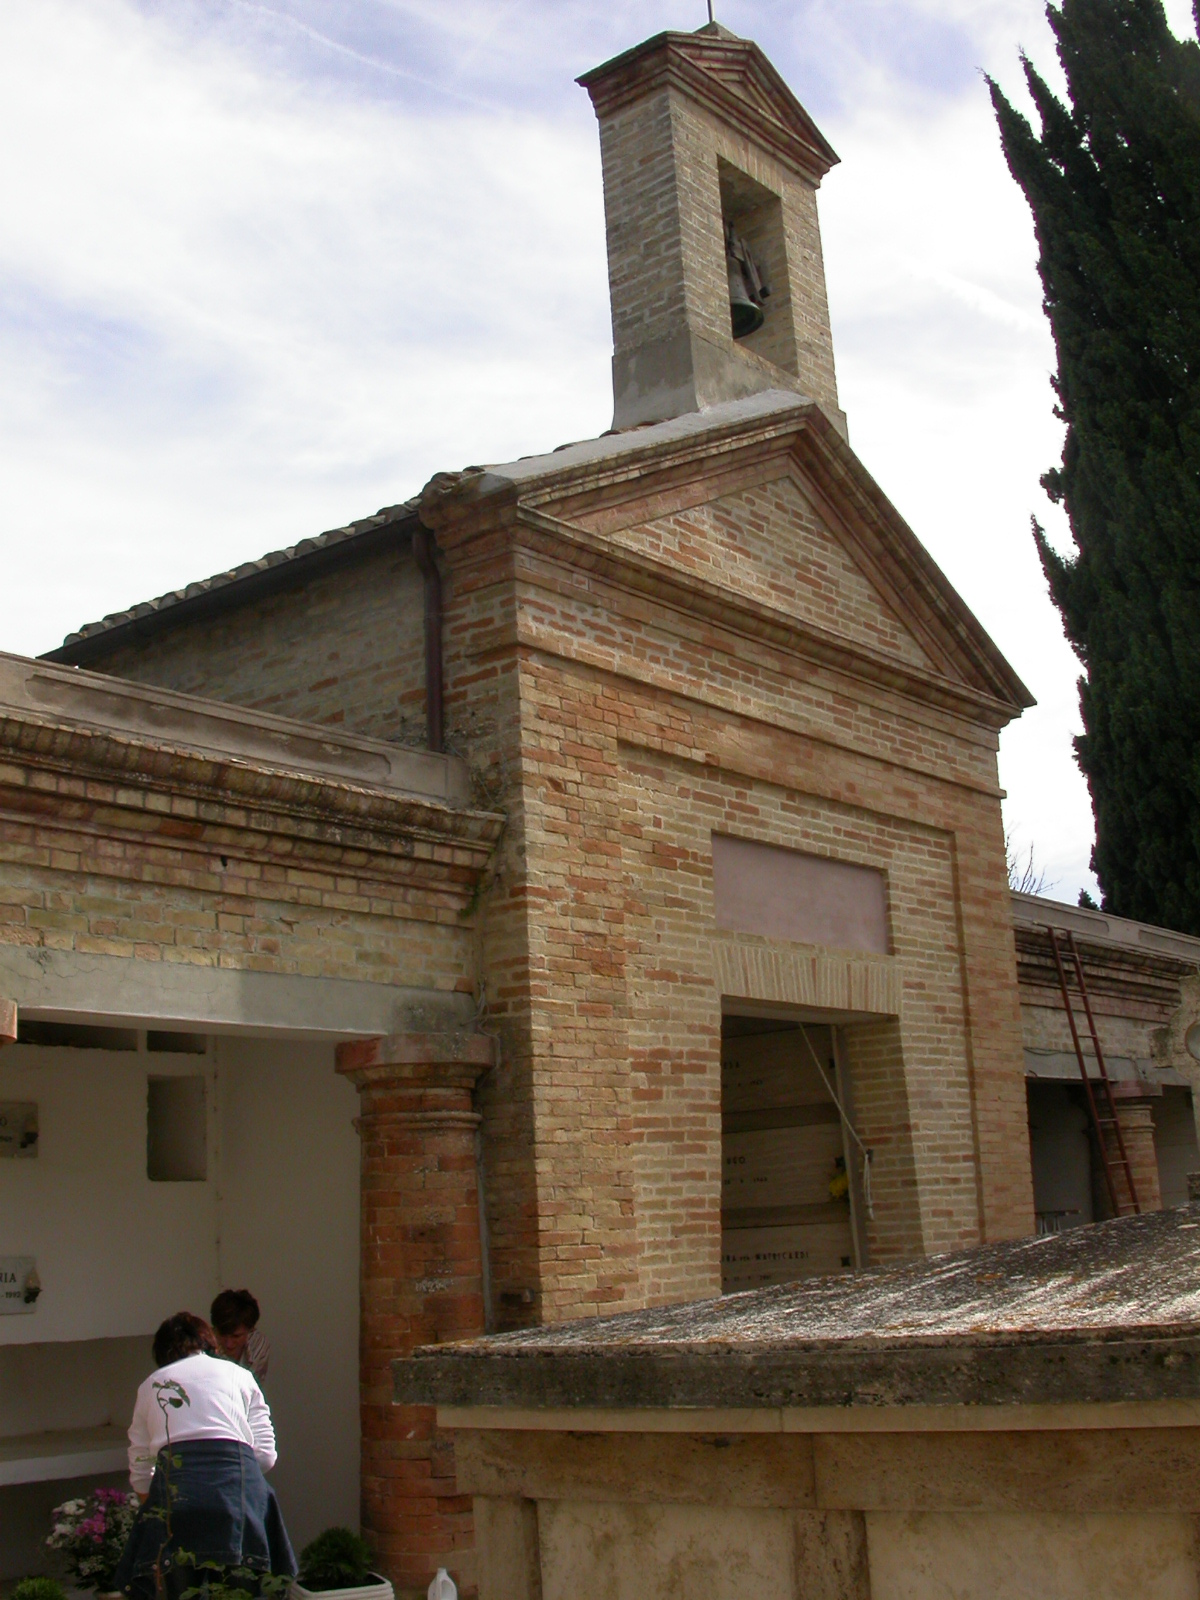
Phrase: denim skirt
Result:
[212,1505]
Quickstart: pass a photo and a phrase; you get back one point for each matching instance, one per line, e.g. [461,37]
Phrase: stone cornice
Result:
[1120,981]
[705,70]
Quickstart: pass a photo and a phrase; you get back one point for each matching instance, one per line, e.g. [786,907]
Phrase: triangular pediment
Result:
[770,544]
[757,514]
[731,77]
[740,66]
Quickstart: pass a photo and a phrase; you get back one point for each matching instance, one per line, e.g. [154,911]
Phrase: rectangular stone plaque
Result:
[19,1286]
[787,894]
[18,1129]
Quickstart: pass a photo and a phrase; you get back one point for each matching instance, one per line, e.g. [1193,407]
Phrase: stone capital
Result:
[417,1062]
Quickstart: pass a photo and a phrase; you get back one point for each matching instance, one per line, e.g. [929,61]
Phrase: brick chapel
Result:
[578,888]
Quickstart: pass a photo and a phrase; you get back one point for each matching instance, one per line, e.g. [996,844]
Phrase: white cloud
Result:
[245,313]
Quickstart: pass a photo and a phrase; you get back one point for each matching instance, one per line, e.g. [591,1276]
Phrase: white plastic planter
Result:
[381,1589]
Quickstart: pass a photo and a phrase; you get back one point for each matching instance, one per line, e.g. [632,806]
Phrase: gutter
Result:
[425,550]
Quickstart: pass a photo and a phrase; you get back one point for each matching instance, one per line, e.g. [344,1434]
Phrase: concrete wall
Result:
[1064,1179]
[601,1552]
[1175,1142]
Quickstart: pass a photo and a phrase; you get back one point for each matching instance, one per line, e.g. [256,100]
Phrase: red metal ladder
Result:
[1093,1087]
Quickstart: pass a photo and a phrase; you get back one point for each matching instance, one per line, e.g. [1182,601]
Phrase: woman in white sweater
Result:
[204,1498]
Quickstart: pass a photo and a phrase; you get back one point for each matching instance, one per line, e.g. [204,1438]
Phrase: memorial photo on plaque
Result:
[18,1129]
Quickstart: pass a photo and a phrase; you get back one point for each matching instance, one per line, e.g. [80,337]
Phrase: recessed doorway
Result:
[788,1202]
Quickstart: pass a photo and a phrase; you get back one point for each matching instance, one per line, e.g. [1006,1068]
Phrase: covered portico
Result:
[204,915]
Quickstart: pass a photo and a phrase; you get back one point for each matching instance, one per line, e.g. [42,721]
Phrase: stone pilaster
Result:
[422,1283]
[8,1022]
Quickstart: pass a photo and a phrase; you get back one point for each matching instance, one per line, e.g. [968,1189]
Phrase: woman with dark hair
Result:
[200,1441]
[234,1317]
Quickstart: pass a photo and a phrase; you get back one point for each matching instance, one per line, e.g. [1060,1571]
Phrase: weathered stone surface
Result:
[509,1561]
[696,1469]
[1081,1470]
[1031,1555]
[1098,1314]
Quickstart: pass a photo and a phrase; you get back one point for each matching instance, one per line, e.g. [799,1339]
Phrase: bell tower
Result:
[717,283]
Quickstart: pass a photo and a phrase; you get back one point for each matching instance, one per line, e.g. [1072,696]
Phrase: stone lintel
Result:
[78,986]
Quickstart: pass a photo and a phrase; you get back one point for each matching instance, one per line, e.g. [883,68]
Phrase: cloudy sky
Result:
[266,265]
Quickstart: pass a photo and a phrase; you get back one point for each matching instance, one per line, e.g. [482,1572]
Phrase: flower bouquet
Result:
[91,1534]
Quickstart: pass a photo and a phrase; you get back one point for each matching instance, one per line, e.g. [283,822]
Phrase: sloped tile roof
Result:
[240,574]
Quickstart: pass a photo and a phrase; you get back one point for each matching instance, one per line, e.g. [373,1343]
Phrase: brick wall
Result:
[127,868]
[636,731]
[767,542]
[344,648]
[666,252]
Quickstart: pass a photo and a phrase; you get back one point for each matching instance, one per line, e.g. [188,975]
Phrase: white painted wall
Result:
[115,1252]
[1175,1144]
[288,1214]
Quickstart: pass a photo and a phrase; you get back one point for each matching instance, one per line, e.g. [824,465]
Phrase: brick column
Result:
[422,1283]
[1135,1108]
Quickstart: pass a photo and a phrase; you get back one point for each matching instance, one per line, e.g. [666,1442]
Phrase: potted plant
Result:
[91,1533]
[38,1589]
[338,1561]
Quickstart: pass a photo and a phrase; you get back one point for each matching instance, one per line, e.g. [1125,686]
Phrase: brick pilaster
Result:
[422,1283]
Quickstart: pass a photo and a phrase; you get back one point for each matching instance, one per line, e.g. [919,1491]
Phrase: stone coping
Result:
[70,696]
[1104,1314]
[765,406]
[1100,927]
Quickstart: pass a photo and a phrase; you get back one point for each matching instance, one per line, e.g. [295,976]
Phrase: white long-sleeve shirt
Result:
[223,1402]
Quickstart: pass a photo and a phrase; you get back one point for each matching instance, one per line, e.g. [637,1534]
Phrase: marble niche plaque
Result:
[18,1129]
[19,1285]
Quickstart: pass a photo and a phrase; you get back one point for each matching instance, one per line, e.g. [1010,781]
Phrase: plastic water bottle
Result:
[443,1586]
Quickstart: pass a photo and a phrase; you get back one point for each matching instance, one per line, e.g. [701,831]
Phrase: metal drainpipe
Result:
[424,548]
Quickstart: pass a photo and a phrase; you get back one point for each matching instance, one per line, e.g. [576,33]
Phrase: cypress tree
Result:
[1113,182]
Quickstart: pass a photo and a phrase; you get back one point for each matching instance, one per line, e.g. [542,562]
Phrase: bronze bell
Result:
[747,314]
[747,291]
